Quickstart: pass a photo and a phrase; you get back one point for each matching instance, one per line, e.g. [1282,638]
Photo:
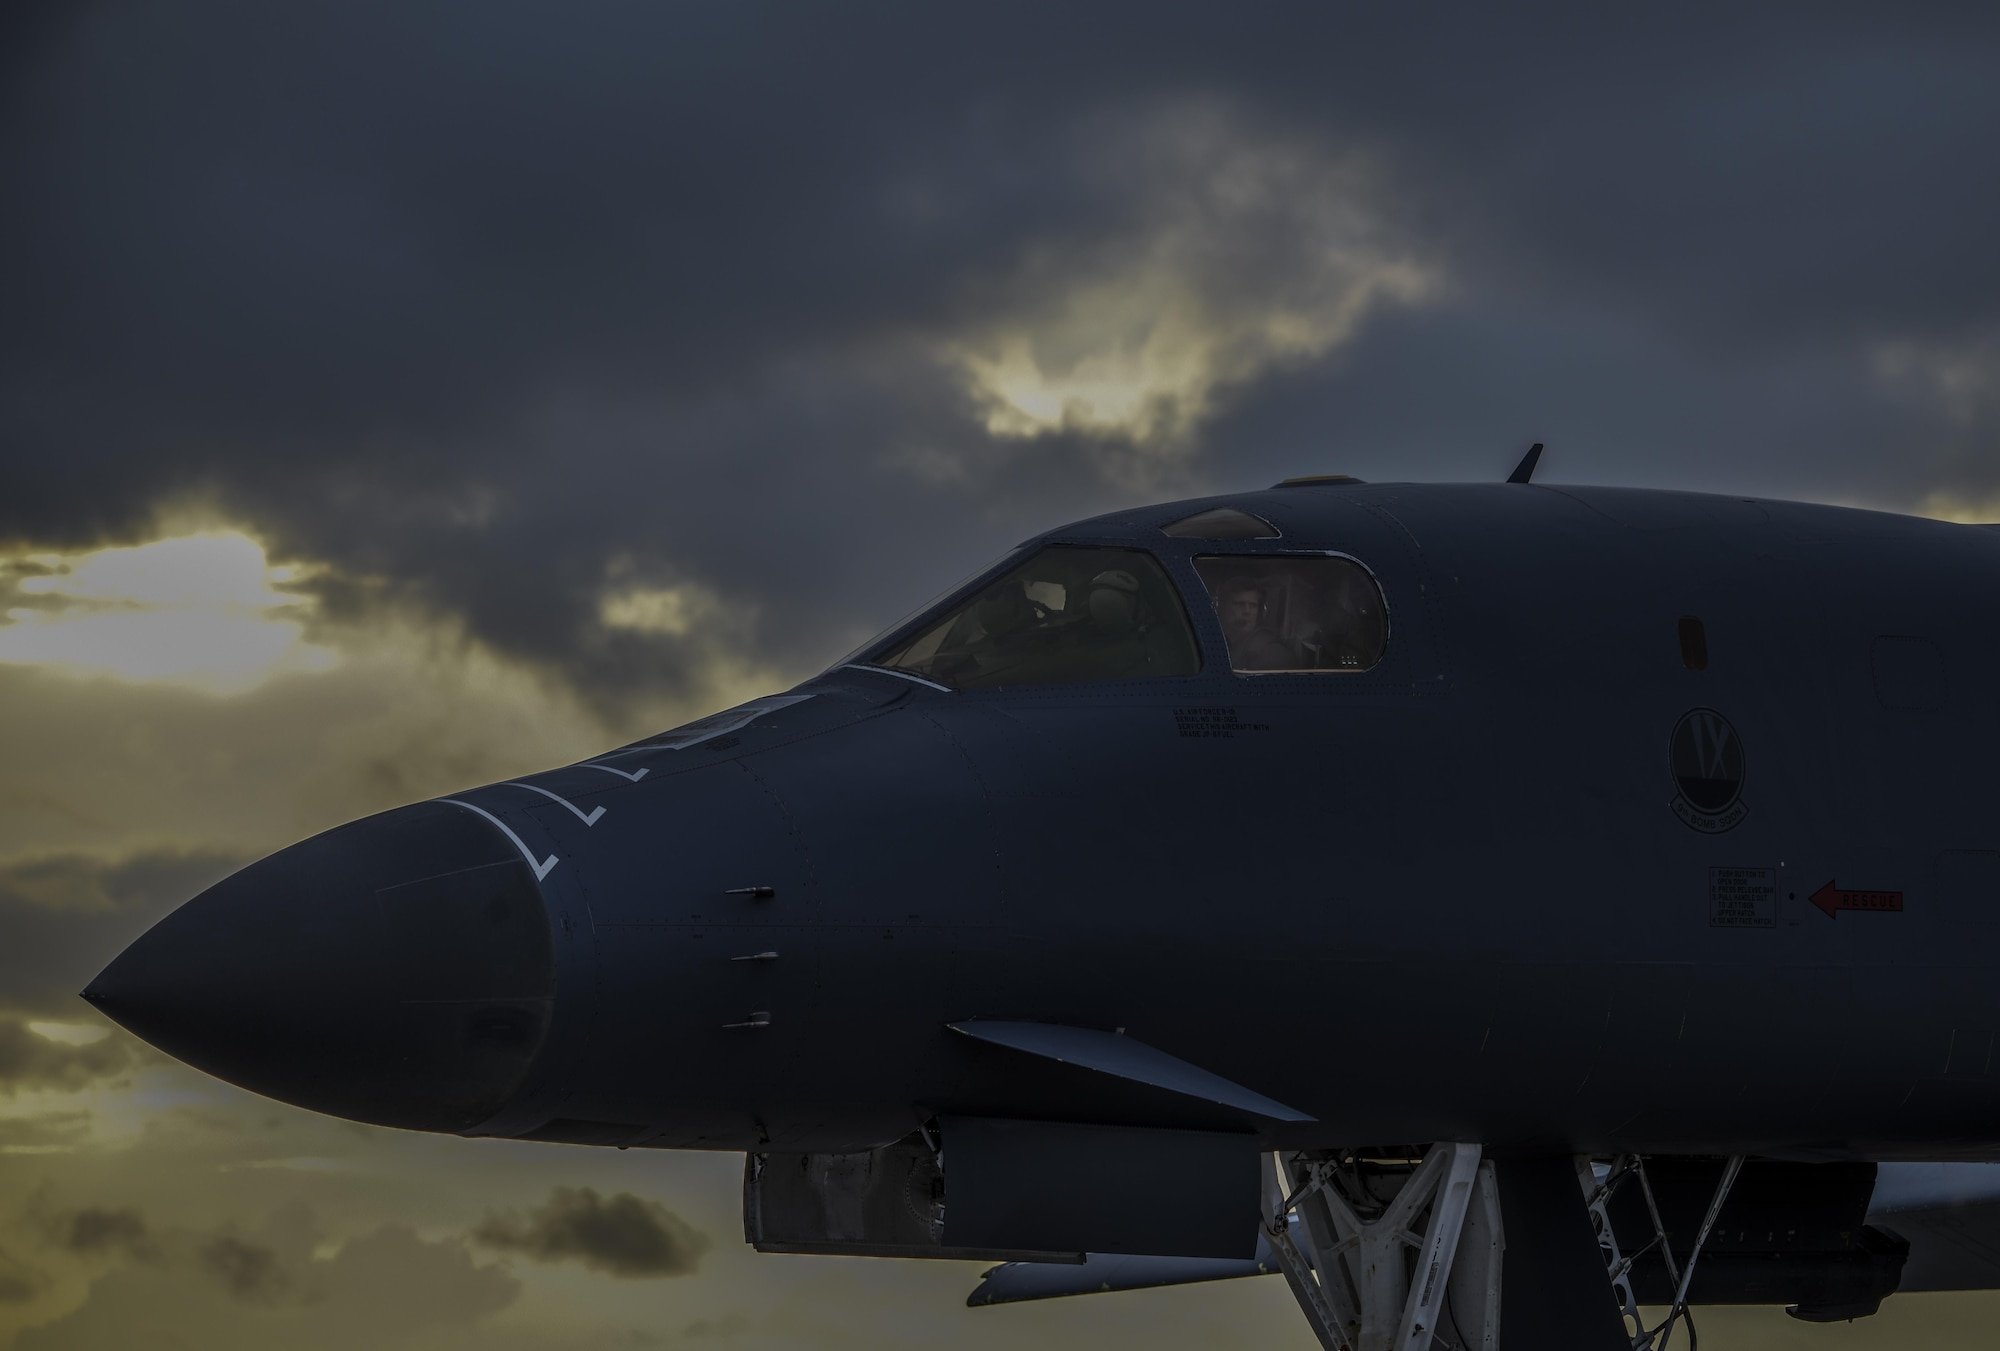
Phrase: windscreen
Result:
[1069,614]
[1295,612]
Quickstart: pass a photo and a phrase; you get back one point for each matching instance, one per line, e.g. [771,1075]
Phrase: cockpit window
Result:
[1296,613]
[1221,523]
[1067,614]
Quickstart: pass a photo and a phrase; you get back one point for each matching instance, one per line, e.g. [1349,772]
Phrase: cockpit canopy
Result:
[1076,613]
[1068,614]
[1296,612]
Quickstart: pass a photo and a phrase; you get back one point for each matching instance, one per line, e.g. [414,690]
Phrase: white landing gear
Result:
[1390,1254]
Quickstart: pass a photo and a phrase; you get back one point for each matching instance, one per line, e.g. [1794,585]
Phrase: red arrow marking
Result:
[1832,900]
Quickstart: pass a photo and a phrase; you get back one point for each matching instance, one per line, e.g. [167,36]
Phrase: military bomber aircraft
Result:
[1513,913]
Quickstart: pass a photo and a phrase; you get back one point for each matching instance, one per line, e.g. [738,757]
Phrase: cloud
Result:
[105,776]
[812,337]
[732,1324]
[250,1271]
[623,1235]
[19,1282]
[1961,379]
[1252,251]
[44,1132]
[63,917]
[30,1060]
[280,1284]
[1964,508]
[102,1230]
[601,365]
[198,610]
[146,880]
[673,611]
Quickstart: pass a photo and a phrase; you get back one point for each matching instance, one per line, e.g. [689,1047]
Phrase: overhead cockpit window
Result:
[1222,523]
[1296,613]
[1068,614]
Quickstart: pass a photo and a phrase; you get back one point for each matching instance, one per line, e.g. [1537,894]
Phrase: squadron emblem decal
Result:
[1706,757]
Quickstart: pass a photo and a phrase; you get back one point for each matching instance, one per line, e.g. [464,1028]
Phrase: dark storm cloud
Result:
[96,1230]
[250,1271]
[622,1234]
[274,1286]
[243,1267]
[502,306]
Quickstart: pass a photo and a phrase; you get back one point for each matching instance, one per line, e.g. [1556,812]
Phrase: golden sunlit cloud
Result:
[143,771]
[671,611]
[1966,510]
[198,610]
[1958,383]
[122,794]
[1139,340]
[1144,354]
[716,631]
[70,1034]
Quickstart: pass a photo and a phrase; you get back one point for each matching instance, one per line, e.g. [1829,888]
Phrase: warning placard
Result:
[1214,722]
[1743,898]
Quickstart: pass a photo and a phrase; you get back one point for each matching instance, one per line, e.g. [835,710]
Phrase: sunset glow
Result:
[196,610]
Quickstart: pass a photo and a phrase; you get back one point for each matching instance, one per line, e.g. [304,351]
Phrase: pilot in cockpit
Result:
[1113,601]
[1252,644]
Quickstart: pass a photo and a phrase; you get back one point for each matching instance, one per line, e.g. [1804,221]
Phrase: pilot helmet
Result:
[1114,599]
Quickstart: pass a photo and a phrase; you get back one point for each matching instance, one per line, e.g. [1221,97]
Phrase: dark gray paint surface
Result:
[1468,894]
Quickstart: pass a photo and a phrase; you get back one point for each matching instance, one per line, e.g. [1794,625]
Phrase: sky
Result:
[398,397]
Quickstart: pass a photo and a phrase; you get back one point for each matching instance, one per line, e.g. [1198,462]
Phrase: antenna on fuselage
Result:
[1525,470]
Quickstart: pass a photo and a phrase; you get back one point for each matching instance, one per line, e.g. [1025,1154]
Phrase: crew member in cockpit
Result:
[1252,645]
[1113,601]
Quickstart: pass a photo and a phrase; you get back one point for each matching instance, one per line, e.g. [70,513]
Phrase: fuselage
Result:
[1466,893]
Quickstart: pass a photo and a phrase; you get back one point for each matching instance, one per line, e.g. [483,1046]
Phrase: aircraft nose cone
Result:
[397,970]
